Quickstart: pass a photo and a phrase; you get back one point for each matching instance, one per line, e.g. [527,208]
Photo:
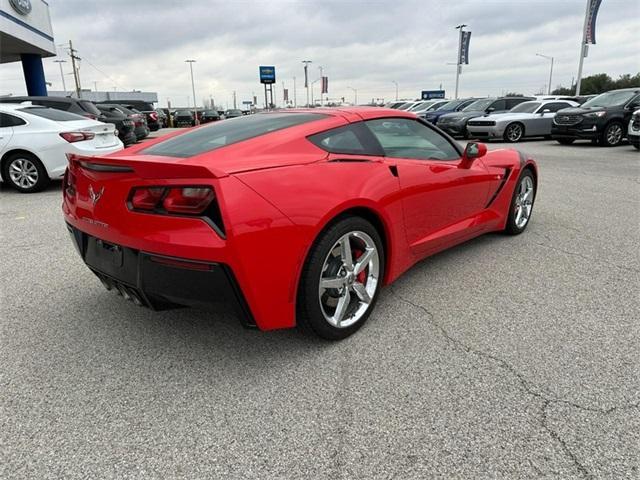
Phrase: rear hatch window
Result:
[89,107]
[220,134]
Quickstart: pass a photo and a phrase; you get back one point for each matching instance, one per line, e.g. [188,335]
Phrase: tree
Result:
[599,83]
[513,94]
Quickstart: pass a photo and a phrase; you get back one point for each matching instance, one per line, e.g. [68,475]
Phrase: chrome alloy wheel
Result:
[23,173]
[349,279]
[514,132]
[614,134]
[524,202]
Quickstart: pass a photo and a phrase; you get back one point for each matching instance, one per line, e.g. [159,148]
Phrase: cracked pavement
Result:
[506,357]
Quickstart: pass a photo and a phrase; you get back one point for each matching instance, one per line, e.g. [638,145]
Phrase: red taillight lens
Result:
[91,116]
[153,116]
[190,200]
[73,137]
[178,200]
[146,198]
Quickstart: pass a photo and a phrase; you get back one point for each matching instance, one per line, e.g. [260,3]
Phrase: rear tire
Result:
[25,172]
[336,295]
[521,207]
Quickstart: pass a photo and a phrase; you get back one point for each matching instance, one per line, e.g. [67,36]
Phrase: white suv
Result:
[633,133]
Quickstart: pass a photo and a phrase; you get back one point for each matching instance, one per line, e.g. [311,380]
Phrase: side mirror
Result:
[490,109]
[474,150]
[546,110]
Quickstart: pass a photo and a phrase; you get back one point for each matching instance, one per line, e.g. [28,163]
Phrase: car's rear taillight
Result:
[146,198]
[73,137]
[91,116]
[153,116]
[172,200]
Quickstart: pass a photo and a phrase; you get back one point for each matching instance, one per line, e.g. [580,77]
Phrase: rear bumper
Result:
[161,282]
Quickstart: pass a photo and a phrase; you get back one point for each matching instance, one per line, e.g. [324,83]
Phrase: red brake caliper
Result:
[361,277]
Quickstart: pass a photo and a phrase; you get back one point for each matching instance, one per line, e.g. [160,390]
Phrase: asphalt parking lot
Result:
[506,357]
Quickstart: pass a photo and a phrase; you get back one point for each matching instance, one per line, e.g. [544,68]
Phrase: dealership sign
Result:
[431,94]
[23,7]
[267,74]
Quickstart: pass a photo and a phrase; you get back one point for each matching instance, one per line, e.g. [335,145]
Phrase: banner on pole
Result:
[325,85]
[464,48]
[590,34]
[306,76]
[285,95]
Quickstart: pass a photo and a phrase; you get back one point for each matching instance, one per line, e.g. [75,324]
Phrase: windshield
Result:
[183,112]
[219,134]
[234,112]
[479,105]
[525,107]
[452,105]
[420,106]
[436,106]
[610,99]
[51,114]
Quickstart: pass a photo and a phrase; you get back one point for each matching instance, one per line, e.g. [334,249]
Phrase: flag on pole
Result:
[590,35]
[325,85]
[306,77]
[286,95]
[464,48]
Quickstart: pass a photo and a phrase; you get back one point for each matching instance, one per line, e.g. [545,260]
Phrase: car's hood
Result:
[509,116]
[580,110]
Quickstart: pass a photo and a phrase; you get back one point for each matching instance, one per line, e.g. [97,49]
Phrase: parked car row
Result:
[35,141]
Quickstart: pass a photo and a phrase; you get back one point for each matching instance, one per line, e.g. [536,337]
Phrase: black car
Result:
[183,118]
[66,104]
[233,113]
[124,125]
[163,119]
[449,107]
[209,116]
[138,118]
[603,119]
[145,108]
[455,123]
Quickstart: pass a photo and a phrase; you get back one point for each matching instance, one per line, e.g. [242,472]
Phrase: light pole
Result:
[312,84]
[306,77]
[458,65]
[64,85]
[295,100]
[396,84]
[193,89]
[355,94]
[321,83]
[550,71]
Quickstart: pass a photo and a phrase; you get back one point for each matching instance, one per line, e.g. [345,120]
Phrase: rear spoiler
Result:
[144,166]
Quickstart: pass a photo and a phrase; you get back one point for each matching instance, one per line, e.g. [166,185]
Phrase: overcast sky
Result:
[365,45]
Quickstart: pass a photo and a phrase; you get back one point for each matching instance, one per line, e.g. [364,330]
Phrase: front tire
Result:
[341,279]
[513,133]
[25,172]
[612,135]
[521,204]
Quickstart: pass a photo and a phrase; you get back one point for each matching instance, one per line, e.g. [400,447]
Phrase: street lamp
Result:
[64,86]
[396,84]
[550,71]
[193,89]
[355,92]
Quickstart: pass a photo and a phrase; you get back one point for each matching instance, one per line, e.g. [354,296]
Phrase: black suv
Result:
[124,125]
[603,119]
[67,104]
[455,123]
[143,107]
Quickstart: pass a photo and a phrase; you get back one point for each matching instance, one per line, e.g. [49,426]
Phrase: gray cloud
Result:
[360,44]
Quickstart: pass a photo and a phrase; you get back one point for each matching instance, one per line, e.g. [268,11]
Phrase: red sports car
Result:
[296,217]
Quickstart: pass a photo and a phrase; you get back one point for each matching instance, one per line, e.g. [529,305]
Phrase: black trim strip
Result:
[505,176]
[101,167]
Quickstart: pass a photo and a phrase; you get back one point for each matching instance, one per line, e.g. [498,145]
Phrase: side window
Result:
[349,140]
[406,138]
[7,120]
[554,107]
[499,105]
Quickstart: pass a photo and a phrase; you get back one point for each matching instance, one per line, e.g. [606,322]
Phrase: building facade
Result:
[26,36]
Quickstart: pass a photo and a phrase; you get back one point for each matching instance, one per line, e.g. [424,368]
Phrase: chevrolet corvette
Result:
[296,218]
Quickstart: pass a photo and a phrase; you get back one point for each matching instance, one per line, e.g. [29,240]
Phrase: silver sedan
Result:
[528,119]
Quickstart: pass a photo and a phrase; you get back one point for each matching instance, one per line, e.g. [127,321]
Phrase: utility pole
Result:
[355,93]
[234,100]
[193,88]
[295,100]
[458,65]
[95,86]
[64,85]
[396,84]
[321,84]
[550,71]
[583,47]
[76,74]
[306,78]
